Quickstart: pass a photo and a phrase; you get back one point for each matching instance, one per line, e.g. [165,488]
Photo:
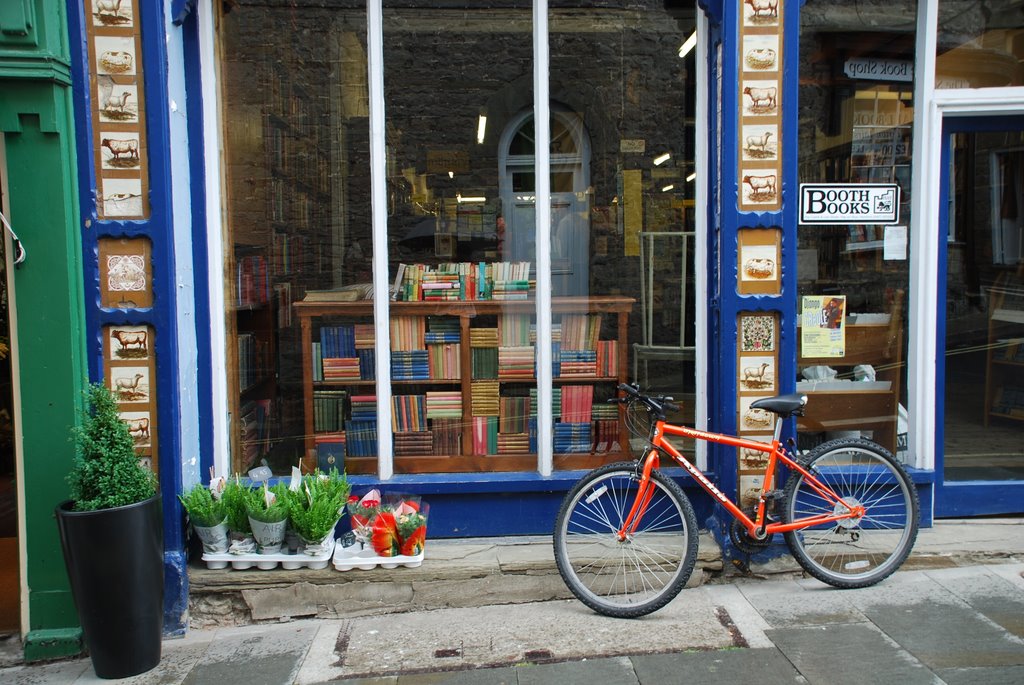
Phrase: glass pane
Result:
[298,226]
[458,85]
[984,393]
[856,115]
[622,213]
[979,44]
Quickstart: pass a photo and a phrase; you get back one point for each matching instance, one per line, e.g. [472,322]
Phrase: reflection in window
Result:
[980,44]
[856,115]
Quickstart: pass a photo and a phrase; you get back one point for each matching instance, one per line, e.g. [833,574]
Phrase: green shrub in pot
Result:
[315,507]
[208,517]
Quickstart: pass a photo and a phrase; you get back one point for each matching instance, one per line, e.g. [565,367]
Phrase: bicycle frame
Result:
[757,527]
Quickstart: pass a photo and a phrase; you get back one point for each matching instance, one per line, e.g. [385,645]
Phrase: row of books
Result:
[329,410]
[254,359]
[444,438]
[252,280]
[463,281]
[254,425]
[363,366]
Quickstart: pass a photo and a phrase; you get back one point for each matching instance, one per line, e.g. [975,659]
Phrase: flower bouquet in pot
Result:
[316,503]
[361,512]
[208,517]
[400,527]
[267,509]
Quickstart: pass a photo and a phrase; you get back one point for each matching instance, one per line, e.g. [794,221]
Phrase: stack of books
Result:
[361,430]
[408,413]
[514,413]
[408,333]
[578,363]
[329,410]
[513,443]
[341,368]
[485,362]
[515,363]
[445,360]
[572,438]
[364,408]
[577,401]
[447,436]
[606,436]
[463,281]
[483,337]
[444,405]
[514,330]
[413,443]
[485,435]
[410,365]
[337,341]
[361,438]
[608,359]
[485,398]
[580,331]
[556,402]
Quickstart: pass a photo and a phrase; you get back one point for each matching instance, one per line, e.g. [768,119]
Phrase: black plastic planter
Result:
[114,559]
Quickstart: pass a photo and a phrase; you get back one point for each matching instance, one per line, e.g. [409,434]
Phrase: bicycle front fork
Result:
[650,461]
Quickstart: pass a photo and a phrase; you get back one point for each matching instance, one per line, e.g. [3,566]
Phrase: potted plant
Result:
[236,502]
[315,507]
[267,509]
[111,533]
[208,516]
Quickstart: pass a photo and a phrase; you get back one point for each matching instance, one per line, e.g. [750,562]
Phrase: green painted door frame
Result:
[48,326]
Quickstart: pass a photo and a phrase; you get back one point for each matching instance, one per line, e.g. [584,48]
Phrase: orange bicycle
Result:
[626,536]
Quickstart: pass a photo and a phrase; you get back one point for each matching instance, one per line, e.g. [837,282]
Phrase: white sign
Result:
[877,69]
[849,203]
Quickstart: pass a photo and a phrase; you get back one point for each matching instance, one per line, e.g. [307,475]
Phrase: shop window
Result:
[856,110]
[460,175]
[979,44]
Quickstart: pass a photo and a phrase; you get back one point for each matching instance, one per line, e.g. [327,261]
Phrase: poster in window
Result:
[823,329]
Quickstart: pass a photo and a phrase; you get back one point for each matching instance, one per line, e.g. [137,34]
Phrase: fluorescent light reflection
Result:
[661,159]
[689,45]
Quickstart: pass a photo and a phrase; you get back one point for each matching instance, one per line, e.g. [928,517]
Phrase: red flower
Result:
[352,499]
[385,534]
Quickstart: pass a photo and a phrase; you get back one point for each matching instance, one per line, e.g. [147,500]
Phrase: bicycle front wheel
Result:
[860,551]
[631,577]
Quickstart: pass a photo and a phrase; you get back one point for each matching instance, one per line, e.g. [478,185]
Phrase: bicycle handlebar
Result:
[659,405]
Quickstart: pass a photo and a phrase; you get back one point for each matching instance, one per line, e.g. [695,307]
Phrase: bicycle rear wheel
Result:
[854,552]
[640,574]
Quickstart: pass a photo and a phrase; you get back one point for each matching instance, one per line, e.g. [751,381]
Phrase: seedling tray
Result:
[287,560]
[348,558]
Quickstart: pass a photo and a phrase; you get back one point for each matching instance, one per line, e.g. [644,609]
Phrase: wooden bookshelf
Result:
[310,314]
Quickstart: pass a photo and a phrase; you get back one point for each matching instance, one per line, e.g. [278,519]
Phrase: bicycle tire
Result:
[641,574]
[861,552]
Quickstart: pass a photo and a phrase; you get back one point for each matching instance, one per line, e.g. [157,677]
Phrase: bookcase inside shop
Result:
[464,388]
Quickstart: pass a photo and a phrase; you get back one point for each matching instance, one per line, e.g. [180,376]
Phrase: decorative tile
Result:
[757,333]
[130,384]
[119,13]
[757,374]
[129,343]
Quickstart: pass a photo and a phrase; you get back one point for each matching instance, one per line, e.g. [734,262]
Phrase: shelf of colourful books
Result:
[461,401]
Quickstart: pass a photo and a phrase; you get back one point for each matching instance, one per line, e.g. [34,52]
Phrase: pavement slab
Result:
[992,596]
[849,655]
[451,639]
[618,671]
[1010,675]
[734,666]
[944,634]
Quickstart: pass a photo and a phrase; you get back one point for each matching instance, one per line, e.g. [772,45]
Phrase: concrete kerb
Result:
[516,570]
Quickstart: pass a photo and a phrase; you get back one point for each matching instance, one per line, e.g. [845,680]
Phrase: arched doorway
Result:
[570,197]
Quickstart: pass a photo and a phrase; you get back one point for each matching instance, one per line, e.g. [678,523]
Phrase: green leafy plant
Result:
[106,471]
[318,503]
[236,501]
[269,509]
[203,510]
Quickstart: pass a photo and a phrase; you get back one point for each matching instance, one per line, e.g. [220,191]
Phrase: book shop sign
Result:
[876,69]
[849,203]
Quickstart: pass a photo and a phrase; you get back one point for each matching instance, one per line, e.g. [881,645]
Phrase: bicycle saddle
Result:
[783,405]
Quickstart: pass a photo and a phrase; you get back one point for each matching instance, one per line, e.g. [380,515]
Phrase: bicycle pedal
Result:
[774,495]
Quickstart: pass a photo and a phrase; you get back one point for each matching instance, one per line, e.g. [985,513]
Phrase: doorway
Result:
[980,466]
[570,199]
[10,586]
